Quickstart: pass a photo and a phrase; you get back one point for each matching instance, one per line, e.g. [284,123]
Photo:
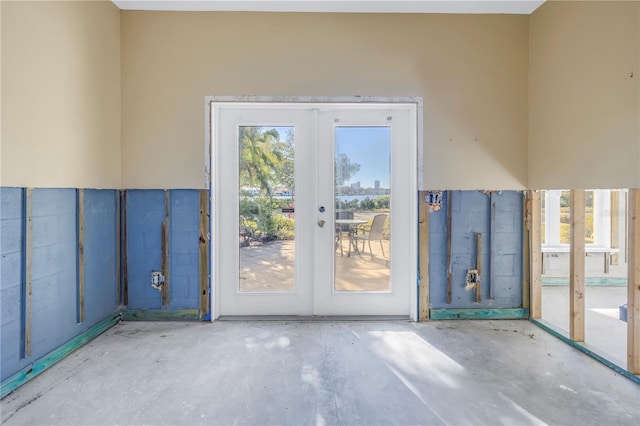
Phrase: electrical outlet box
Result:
[157,280]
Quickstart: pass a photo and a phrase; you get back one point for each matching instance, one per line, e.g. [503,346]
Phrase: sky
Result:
[368,146]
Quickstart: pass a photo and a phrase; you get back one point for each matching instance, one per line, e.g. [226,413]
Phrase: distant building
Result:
[376,184]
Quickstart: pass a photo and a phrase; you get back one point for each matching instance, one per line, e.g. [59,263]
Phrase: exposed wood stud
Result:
[633,286]
[28,280]
[166,289]
[449,285]
[615,225]
[118,249]
[424,255]
[80,213]
[492,246]
[448,313]
[526,243]
[204,254]
[160,315]
[576,266]
[535,253]
[479,267]
[123,242]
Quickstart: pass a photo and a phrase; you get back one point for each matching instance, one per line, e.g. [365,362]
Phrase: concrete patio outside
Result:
[270,267]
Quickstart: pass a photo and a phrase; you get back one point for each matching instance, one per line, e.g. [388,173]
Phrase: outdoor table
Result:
[351,223]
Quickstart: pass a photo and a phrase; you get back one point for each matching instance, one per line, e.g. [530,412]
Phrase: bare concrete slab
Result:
[326,373]
[604,331]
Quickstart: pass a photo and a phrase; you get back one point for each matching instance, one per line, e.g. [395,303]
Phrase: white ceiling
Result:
[357,6]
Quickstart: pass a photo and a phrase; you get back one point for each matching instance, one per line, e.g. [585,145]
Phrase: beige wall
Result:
[584,116]
[61,94]
[470,70]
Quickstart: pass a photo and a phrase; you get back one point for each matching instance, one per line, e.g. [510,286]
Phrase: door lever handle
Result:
[321,223]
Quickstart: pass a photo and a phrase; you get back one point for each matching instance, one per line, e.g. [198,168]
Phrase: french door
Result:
[314,209]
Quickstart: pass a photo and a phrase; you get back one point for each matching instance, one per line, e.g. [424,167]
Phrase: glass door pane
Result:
[362,233]
[266,209]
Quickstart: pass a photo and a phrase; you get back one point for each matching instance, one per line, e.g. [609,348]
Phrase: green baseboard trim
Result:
[161,315]
[562,336]
[53,357]
[589,281]
[446,314]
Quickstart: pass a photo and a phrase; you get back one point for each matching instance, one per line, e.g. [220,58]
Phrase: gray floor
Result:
[604,331]
[325,373]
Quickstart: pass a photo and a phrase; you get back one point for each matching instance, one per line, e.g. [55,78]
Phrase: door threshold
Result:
[312,318]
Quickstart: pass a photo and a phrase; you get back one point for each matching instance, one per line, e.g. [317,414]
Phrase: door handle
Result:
[321,223]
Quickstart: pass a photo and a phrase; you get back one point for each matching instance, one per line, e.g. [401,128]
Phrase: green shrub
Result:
[285,227]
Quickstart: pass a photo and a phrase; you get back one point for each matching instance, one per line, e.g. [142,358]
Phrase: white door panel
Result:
[314,269]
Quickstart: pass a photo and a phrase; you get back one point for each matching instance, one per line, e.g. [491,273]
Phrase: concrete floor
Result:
[325,373]
[605,333]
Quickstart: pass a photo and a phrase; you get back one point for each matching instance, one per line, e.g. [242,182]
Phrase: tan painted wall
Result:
[61,100]
[470,70]
[584,116]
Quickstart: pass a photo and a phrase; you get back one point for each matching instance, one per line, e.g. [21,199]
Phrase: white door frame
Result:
[210,178]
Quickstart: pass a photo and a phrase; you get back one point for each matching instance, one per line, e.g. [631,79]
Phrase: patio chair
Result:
[339,240]
[372,232]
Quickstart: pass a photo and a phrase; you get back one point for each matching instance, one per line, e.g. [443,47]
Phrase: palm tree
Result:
[260,158]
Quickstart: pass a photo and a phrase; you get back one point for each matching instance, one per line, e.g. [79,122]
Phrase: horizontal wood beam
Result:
[446,314]
[160,315]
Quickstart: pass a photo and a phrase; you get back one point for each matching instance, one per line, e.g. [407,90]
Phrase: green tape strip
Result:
[445,314]
[595,281]
[549,329]
[161,315]
[53,357]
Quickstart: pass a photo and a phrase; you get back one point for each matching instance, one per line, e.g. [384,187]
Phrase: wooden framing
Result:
[204,254]
[576,266]
[615,226]
[123,244]
[526,243]
[492,245]
[423,232]
[535,254]
[165,265]
[449,207]
[80,216]
[28,280]
[161,315]
[118,248]
[452,314]
[633,285]
[479,267]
